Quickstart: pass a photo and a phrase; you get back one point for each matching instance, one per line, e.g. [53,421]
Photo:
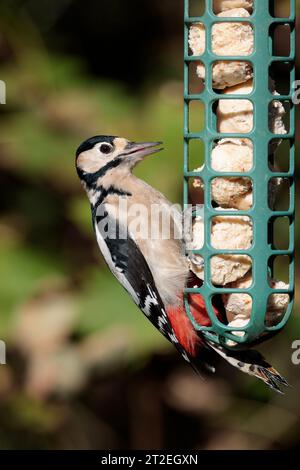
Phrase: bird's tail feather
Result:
[253,363]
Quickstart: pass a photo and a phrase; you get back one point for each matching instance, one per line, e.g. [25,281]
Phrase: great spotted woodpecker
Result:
[153,270]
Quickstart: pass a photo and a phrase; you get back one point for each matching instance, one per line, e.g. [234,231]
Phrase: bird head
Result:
[100,154]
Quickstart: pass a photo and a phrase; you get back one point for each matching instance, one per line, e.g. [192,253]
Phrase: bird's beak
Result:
[136,151]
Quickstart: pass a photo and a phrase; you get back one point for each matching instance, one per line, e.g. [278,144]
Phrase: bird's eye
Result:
[105,148]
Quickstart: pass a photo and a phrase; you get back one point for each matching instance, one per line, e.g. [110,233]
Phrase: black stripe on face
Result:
[91,178]
[90,143]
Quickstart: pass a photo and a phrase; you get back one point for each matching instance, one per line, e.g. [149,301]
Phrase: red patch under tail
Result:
[183,327]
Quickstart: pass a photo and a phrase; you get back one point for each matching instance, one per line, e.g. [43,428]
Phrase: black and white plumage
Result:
[129,266]
[122,255]
[154,271]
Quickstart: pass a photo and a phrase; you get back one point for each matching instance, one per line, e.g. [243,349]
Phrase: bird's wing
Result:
[129,266]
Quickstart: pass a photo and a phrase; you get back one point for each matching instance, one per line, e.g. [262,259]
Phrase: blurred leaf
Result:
[29,414]
[80,214]
[21,269]
[104,303]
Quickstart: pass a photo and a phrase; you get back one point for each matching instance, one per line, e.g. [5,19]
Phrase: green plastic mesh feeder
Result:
[262,251]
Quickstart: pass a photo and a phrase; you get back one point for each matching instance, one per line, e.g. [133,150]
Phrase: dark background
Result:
[84,369]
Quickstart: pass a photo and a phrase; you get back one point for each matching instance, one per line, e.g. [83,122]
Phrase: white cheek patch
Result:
[93,160]
[90,161]
[120,144]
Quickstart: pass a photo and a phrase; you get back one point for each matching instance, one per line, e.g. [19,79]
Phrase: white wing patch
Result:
[114,269]
[150,300]
[173,337]
[185,356]
[162,322]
